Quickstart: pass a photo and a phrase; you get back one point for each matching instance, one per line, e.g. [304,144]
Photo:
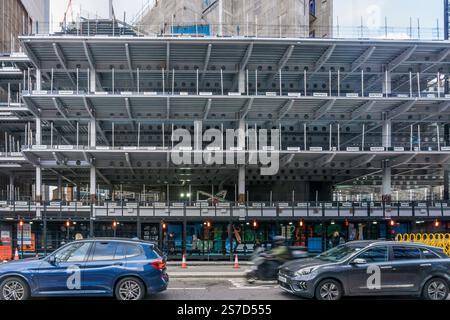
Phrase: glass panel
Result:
[73,253]
[406,253]
[428,254]
[375,255]
[104,251]
[132,250]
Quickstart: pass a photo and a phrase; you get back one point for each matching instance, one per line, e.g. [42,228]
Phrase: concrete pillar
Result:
[241,175]
[11,188]
[38,132]
[241,81]
[93,132]
[220,31]
[45,192]
[241,185]
[93,185]
[387,133]
[69,194]
[387,83]
[387,185]
[38,80]
[60,191]
[38,194]
[92,81]
[111,12]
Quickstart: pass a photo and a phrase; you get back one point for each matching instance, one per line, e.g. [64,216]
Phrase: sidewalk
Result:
[208,263]
[207,270]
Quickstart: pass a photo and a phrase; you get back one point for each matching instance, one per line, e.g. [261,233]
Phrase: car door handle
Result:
[386,268]
[425,265]
[118,264]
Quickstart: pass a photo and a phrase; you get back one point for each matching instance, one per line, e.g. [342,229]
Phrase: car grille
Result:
[285,285]
[302,286]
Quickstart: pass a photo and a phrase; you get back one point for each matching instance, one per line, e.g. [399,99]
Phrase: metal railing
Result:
[201,210]
[250,29]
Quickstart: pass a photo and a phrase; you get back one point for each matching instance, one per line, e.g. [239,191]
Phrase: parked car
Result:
[365,268]
[125,269]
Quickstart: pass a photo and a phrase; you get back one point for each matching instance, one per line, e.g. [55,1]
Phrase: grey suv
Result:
[365,268]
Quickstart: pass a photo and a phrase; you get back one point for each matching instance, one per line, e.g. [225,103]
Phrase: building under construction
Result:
[91,134]
[285,18]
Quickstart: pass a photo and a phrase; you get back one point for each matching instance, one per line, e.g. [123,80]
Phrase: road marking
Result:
[252,288]
[186,288]
[243,285]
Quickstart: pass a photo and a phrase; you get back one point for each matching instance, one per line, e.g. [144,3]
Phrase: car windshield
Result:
[339,253]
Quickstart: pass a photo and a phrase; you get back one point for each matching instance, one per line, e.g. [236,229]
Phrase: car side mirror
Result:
[52,259]
[358,261]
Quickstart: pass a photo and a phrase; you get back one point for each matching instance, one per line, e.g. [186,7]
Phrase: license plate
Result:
[282,279]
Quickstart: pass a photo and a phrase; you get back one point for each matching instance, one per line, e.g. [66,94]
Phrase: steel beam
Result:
[362,161]
[323,59]
[325,160]
[130,113]
[206,63]
[62,60]
[403,108]
[130,63]
[62,110]
[281,64]
[285,109]
[207,109]
[247,108]
[128,160]
[326,107]
[363,109]
[92,65]
[405,55]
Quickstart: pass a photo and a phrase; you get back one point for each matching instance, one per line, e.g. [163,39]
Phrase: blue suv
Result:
[125,269]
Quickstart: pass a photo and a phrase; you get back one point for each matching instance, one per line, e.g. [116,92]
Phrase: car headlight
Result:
[306,271]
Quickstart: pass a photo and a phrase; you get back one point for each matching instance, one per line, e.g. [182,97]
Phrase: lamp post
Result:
[188,196]
[21,237]
[114,226]
[67,229]
[163,228]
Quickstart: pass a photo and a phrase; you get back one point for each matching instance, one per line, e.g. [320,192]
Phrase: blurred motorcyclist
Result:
[280,251]
[278,255]
[267,263]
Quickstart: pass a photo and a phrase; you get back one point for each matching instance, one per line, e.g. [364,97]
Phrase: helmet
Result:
[279,240]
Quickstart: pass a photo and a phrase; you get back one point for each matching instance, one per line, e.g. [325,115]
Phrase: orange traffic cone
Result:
[236,262]
[16,255]
[183,262]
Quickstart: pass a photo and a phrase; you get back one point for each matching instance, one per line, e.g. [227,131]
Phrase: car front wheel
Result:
[14,289]
[436,289]
[130,289]
[329,290]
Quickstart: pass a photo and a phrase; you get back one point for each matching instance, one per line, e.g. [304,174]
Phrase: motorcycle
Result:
[265,266]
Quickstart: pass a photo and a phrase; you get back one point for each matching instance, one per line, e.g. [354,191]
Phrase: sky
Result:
[346,12]
[397,12]
[96,7]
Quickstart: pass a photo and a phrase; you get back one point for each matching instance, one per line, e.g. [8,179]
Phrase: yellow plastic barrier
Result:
[439,240]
